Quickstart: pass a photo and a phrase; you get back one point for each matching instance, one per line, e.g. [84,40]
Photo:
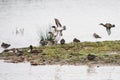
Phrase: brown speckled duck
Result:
[5,45]
[76,40]
[62,41]
[34,50]
[96,35]
[108,27]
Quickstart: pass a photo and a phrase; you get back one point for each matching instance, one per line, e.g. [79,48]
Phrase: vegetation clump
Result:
[106,52]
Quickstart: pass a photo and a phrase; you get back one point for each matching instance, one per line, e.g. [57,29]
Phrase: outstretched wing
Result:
[57,22]
[102,24]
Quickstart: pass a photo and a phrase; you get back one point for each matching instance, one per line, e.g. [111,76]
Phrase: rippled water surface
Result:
[24,71]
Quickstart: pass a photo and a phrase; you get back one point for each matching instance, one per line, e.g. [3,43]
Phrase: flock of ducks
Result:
[55,34]
[58,32]
[60,28]
[19,52]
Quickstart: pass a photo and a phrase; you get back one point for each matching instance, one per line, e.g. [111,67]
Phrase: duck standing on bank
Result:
[62,41]
[31,50]
[5,45]
[76,40]
[96,36]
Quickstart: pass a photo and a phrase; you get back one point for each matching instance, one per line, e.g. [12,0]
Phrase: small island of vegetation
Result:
[105,52]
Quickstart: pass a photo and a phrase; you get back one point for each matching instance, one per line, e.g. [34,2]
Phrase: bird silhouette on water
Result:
[108,27]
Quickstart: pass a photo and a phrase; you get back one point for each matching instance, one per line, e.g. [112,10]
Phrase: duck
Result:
[108,27]
[91,57]
[18,52]
[43,42]
[5,45]
[31,47]
[76,40]
[62,41]
[96,35]
[58,28]
[34,51]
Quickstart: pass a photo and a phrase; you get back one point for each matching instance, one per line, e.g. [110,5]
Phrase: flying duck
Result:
[59,27]
[108,27]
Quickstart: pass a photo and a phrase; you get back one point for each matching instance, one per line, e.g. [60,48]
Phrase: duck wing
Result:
[57,22]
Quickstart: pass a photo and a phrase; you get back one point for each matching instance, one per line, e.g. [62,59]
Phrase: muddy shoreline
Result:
[69,54]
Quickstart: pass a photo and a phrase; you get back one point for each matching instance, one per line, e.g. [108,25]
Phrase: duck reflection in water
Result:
[91,69]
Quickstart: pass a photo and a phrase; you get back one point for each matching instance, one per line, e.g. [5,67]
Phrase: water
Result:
[82,18]
[24,71]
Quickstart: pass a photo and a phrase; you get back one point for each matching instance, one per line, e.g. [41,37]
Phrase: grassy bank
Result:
[106,52]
